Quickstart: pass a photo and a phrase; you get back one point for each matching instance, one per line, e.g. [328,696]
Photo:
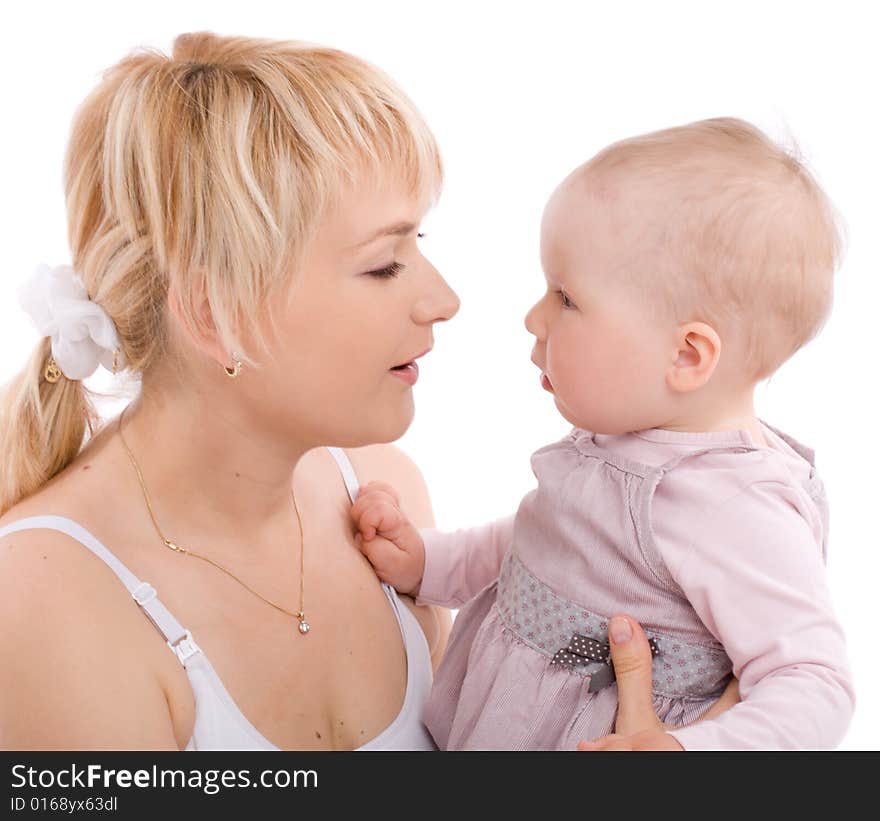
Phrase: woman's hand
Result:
[637,726]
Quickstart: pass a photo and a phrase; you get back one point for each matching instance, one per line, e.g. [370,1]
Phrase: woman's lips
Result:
[409,373]
[545,383]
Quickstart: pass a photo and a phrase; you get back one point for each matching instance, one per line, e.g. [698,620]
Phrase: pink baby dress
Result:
[714,544]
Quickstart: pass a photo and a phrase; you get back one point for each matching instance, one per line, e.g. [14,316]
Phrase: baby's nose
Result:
[532,321]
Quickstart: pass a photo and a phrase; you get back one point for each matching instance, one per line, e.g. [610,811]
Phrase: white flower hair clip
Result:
[83,335]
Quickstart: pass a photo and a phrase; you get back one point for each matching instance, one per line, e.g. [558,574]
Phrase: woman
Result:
[240,215]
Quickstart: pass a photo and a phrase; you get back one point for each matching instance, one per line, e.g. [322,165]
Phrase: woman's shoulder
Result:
[46,572]
[41,553]
[389,463]
[52,586]
[66,617]
[47,555]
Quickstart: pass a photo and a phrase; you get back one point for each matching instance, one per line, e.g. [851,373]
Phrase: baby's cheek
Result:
[596,387]
[581,386]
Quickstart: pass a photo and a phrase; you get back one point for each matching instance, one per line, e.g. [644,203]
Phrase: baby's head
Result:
[683,267]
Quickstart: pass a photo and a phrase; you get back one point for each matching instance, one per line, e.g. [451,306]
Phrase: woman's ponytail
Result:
[42,427]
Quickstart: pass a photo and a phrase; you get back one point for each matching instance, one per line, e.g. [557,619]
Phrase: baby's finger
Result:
[385,557]
[367,500]
[381,518]
[377,485]
[375,550]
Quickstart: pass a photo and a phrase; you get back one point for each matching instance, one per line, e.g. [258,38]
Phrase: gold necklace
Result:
[304,626]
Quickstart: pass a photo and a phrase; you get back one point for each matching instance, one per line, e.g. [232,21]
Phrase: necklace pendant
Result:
[304,626]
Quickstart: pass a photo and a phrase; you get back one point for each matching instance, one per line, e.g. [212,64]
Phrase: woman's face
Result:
[365,300]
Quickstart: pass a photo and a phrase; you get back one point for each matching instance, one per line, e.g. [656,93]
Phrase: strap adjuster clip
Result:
[184,648]
[144,593]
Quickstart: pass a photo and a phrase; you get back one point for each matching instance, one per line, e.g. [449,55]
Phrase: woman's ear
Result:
[696,354]
[197,326]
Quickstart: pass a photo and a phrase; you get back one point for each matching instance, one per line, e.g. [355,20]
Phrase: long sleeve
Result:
[754,573]
[460,564]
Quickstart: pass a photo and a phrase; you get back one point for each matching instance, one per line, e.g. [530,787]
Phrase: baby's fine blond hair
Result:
[746,240]
[207,171]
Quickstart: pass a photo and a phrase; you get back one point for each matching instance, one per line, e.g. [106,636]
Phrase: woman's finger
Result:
[607,743]
[728,698]
[631,655]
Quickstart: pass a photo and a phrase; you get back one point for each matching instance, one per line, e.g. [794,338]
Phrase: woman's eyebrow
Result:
[398,229]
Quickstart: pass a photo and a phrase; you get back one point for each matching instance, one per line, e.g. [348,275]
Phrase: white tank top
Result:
[219,723]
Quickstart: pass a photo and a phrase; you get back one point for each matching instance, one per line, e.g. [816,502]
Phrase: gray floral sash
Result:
[576,640]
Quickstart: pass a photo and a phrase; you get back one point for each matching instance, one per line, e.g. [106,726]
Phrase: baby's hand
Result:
[388,539]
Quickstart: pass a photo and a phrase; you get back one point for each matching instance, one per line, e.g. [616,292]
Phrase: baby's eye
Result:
[566,302]
[388,271]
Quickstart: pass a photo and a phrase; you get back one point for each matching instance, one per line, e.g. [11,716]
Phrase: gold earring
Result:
[52,373]
[235,370]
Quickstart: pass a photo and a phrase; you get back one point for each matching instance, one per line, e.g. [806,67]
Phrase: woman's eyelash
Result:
[566,302]
[388,271]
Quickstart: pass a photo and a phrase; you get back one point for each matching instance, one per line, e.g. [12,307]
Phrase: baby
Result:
[682,268]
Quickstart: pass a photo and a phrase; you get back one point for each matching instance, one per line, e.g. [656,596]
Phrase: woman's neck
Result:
[208,468]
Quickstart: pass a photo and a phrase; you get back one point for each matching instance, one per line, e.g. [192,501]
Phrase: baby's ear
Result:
[696,354]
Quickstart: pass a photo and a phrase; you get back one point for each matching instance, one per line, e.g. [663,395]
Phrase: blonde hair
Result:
[748,240]
[207,171]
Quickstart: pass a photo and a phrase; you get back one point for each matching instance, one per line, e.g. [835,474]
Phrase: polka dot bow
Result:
[583,650]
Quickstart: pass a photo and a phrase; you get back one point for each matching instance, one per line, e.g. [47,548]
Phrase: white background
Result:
[518,94]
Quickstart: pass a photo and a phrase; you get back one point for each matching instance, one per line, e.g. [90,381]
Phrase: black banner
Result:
[137,784]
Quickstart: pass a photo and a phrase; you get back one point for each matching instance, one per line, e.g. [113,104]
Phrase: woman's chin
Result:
[398,421]
[385,425]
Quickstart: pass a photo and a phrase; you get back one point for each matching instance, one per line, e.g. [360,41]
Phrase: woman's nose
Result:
[439,304]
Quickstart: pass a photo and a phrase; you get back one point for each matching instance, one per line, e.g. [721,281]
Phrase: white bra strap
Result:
[348,474]
[178,638]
